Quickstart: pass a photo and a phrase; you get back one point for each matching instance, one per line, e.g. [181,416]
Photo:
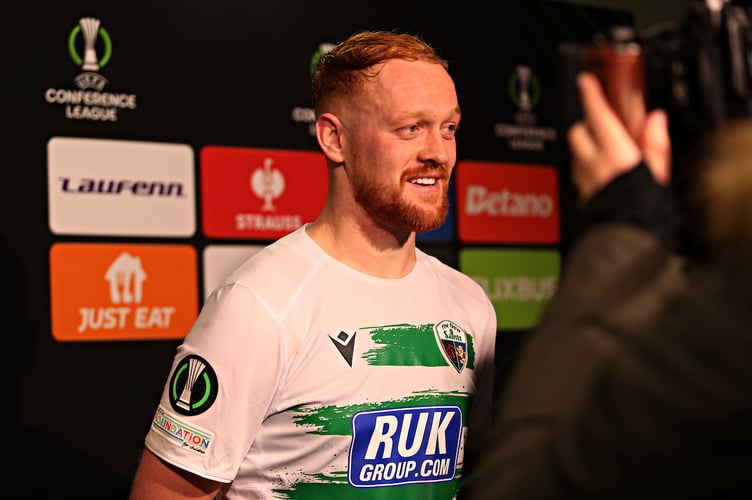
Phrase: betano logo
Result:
[260,193]
[507,203]
[120,188]
[105,292]
[519,283]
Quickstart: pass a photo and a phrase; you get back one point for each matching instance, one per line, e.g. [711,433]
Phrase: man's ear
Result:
[329,135]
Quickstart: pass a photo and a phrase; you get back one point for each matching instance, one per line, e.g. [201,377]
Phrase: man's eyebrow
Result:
[418,114]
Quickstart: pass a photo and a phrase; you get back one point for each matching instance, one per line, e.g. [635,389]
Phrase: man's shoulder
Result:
[452,276]
[288,257]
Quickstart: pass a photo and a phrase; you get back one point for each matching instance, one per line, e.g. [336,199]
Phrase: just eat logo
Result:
[114,292]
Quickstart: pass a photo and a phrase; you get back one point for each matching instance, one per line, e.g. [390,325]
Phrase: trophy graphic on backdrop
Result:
[89,28]
[523,89]
[93,35]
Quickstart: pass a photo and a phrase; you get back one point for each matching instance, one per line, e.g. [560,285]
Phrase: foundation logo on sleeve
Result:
[407,445]
[193,386]
[507,203]
[186,436]
[520,283]
[120,188]
[452,341]
[260,193]
[524,90]
[90,48]
[106,292]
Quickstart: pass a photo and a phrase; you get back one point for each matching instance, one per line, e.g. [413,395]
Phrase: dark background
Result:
[226,73]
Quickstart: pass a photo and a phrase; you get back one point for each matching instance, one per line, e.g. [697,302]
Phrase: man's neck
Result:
[365,247]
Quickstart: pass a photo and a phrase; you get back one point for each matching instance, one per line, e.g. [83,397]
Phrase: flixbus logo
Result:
[122,292]
[404,446]
[520,283]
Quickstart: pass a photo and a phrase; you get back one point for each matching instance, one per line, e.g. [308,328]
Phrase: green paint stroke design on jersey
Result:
[334,420]
[333,488]
[409,345]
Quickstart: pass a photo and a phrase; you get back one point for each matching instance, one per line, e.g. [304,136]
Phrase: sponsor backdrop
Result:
[150,148]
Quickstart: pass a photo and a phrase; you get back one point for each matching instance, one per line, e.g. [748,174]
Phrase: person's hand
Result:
[602,148]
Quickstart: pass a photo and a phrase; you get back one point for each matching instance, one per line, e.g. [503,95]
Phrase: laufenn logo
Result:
[111,186]
[120,188]
[508,203]
[404,446]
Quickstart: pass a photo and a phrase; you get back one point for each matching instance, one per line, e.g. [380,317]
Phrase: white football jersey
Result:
[304,378]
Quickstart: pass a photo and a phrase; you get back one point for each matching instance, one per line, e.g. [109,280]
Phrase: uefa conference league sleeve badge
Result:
[193,386]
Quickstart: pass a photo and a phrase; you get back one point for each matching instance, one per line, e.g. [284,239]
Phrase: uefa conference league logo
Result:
[90,48]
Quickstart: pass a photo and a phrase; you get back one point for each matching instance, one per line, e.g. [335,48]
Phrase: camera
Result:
[698,69]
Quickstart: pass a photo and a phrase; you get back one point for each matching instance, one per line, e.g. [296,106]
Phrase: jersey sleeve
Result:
[221,385]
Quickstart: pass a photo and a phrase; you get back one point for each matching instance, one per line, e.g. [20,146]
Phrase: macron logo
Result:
[345,344]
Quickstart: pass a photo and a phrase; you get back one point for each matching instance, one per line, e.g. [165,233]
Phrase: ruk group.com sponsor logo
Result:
[251,193]
[120,188]
[520,283]
[108,292]
[409,445]
[507,203]
[90,48]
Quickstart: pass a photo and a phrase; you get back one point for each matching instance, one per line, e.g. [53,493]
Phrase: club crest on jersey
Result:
[452,341]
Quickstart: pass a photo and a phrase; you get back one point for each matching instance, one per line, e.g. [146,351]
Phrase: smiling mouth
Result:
[424,181]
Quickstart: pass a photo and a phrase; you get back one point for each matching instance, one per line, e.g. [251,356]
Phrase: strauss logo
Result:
[268,184]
